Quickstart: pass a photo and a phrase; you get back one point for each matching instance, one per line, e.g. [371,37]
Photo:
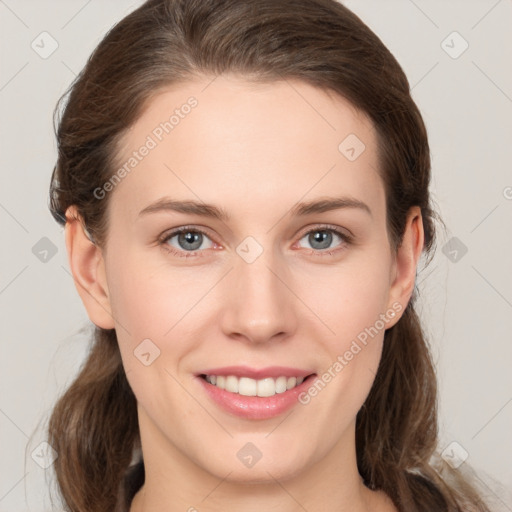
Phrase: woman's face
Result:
[284,270]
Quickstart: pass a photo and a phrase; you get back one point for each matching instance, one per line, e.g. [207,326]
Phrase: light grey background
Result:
[466,299]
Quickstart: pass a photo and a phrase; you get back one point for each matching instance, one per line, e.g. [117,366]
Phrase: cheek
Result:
[150,307]
[148,300]
[160,311]
[348,299]
[353,303]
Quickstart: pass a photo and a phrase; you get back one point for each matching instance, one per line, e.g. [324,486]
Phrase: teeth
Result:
[231,384]
[266,387]
[281,384]
[291,382]
[247,387]
[251,387]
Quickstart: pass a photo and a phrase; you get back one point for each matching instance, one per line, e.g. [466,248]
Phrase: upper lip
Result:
[258,373]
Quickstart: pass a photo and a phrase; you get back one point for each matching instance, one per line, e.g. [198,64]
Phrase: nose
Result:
[258,305]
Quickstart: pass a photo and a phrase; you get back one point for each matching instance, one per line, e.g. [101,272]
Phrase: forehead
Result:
[249,145]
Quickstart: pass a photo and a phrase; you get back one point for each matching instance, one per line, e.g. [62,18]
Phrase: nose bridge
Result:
[258,305]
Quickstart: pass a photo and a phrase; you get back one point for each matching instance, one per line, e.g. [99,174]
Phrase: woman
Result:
[244,187]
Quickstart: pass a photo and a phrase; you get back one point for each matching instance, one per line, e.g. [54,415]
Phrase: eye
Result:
[321,239]
[185,241]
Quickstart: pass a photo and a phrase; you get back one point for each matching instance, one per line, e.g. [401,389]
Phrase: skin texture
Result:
[254,150]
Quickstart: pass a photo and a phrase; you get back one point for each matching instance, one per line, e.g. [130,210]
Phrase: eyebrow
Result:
[328,204]
[208,210]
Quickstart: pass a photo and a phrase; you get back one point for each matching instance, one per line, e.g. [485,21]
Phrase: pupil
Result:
[191,238]
[324,238]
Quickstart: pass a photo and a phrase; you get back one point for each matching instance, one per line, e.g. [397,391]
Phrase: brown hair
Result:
[94,425]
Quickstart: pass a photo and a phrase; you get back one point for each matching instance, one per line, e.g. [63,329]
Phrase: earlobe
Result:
[88,269]
[406,260]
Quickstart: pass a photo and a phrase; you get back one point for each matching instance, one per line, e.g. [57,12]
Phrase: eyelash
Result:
[165,237]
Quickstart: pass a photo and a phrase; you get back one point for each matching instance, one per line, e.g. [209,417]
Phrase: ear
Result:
[88,270]
[403,275]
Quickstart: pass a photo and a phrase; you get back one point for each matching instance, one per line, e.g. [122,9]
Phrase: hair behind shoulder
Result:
[94,425]
[94,429]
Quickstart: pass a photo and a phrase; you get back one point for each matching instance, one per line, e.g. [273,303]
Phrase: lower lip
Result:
[255,407]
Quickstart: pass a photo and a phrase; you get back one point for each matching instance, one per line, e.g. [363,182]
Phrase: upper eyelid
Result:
[327,227]
[170,233]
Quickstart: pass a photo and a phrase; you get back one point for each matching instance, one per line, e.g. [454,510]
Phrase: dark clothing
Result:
[133,482]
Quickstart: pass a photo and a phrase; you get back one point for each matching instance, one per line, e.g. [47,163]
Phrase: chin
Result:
[265,470]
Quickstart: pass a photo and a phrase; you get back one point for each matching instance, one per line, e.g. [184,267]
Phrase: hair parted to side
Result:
[94,426]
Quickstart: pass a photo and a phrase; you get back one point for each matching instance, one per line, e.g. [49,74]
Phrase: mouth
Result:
[246,386]
[255,394]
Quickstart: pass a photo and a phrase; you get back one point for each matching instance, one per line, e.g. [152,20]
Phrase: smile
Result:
[251,387]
